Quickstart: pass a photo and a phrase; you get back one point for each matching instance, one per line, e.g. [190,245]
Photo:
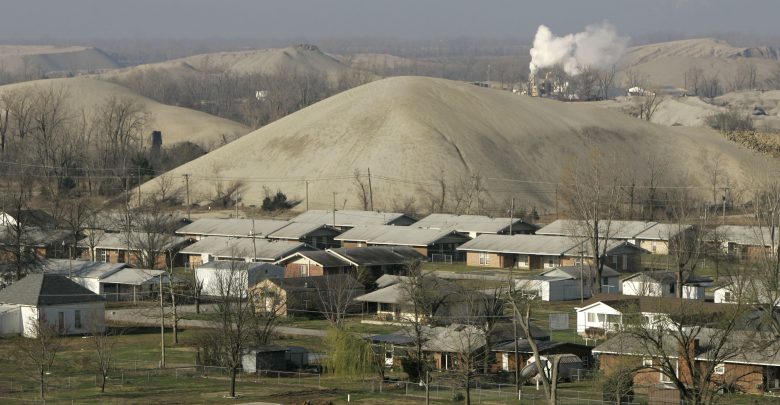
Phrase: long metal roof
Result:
[617,229]
[296,230]
[470,223]
[523,244]
[234,227]
[395,235]
[81,268]
[747,235]
[221,247]
[348,218]
[119,241]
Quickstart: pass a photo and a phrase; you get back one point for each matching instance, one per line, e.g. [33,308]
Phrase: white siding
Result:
[599,318]
[92,313]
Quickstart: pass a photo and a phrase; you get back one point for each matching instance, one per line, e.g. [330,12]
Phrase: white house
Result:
[604,314]
[113,281]
[568,283]
[249,274]
[52,298]
[747,289]
[662,284]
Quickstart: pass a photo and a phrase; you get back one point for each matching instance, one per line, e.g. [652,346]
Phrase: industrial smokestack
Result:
[598,46]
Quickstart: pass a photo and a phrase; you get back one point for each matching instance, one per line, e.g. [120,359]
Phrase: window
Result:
[647,362]
[652,246]
[665,378]
[103,256]
[552,261]
[592,317]
[671,288]
[522,260]
[304,270]
[60,321]
[77,319]
[484,258]
[719,369]
[625,262]
[727,296]
[614,260]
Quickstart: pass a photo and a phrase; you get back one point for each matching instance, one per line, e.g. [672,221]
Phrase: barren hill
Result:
[666,63]
[176,123]
[16,59]
[412,131]
[301,58]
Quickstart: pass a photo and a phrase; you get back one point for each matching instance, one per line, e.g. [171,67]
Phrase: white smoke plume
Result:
[598,46]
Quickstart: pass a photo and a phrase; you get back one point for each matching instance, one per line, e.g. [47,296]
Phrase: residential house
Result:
[446,347]
[134,248]
[747,290]
[655,239]
[379,260]
[215,275]
[536,252]
[112,281]
[51,298]
[615,229]
[347,219]
[230,228]
[504,352]
[248,249]
[30,218]
[664,284]
[604,314]
[475,225]
[569,283]
[746,242]
[44,243]
[429,242]
[314,263]
[318,236]
[393,304]
[743,365]
[308,296]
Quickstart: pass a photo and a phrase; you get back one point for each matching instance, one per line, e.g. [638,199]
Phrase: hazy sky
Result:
[421,19]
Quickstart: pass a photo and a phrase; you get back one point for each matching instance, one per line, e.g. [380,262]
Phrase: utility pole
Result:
[139,186]
[187,186]
[334,209]
[725,192]
[307,195]
[237,195]
[511,214]
[556,201]
[370,190]
[254,245]
[162,325]
[582,278]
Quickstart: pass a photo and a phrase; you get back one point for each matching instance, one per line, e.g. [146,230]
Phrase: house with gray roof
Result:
[662,283]
[133,248]
[230,227]
[745,362]
[247,249]
[565,283]
[746,242]
[346,219]
[314,263]
[475,225]
[210,275]
[536,252]
[53,299]
[429,242]
[112,281]
[318,236]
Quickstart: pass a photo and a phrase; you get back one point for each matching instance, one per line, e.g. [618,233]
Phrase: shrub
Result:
[730,121]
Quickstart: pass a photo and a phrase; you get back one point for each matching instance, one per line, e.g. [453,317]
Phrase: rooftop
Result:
[263,249]
[46,289]
[378,255]
[472,223]
[349,218]
[617,229]
[396,235]
[235,227]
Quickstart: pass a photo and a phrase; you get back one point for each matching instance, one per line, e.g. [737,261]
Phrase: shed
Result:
[265,358]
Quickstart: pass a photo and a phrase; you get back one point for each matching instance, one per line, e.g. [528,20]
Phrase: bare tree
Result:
[336,293]
[647,105]
[587,82]
[711,86]
[523,306]
[225,344]
[773,80]
[362,189]
[15,240]
[270,305]
[466,342]
[694,80]
[592,198]
[634,78]
[606,79]
[675,343]
[103,343]
[40,351]
[687,236]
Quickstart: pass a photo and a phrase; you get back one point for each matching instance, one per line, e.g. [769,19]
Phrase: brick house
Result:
[536,252]
[348,219]
[742,366]
[428,242]
[133,248]
[314,263]
[475,225]
[247,249]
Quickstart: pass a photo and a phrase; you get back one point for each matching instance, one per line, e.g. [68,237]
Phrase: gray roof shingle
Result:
[46,289]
